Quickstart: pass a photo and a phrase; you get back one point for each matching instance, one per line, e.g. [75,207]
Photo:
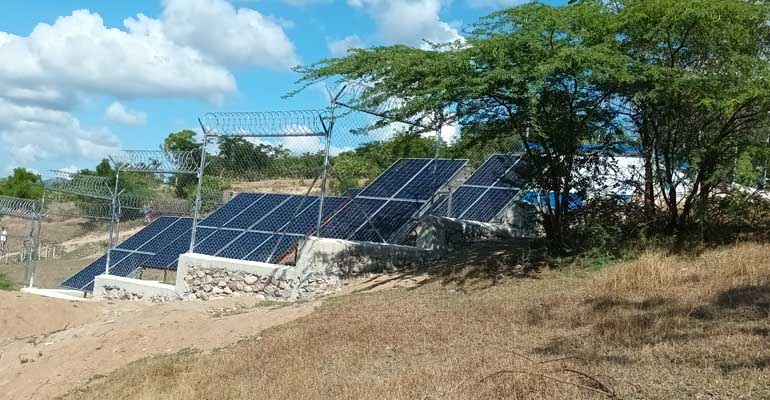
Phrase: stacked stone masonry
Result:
[211,283]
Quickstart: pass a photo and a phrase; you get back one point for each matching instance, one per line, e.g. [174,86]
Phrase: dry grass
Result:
[662,327]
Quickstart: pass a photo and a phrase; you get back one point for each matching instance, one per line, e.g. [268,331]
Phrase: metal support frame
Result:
[34,212]
[199,187]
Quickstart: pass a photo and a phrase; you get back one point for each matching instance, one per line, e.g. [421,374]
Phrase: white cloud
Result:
[242,37]
[30,135]
[118,113]
[339,48]
[410,22]
[187,52]
[496,3]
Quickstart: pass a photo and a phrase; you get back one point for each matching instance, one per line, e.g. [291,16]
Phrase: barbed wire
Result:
[156,161]
[20,208]
[265,124]
[98,187]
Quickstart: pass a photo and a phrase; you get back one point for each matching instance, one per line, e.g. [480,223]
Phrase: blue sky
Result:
[81,78]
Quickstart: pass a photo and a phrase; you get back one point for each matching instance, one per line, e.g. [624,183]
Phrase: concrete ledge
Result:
[211,262]
[344,258]
[118,288]
[61,294]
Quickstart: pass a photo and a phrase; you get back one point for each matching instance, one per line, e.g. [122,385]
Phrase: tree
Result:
[23,184]
[544,75]
[698,96]
[181,141]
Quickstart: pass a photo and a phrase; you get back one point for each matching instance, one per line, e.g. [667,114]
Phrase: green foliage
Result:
[23,184]
[5,283]
[181,141]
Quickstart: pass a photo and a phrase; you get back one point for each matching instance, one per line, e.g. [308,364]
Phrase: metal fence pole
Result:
[199,188]
[325,173]
[38,237]
[112,222]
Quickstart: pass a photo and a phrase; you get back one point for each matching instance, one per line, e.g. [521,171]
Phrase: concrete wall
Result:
[109,287]
[207,277]
[321,256]
[441,235]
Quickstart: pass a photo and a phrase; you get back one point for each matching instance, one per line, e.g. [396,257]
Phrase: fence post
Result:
[199,188]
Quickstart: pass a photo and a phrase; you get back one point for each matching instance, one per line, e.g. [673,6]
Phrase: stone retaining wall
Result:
[110,287]
[207,283]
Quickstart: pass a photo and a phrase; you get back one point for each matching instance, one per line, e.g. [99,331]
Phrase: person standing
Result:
[3,241]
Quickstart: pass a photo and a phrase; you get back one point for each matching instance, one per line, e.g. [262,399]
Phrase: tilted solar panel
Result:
[487,193]
[147,233]
[383,210]
[84,280]
[231,209]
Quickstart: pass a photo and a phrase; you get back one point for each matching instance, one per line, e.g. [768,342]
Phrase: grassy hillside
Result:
[663,327]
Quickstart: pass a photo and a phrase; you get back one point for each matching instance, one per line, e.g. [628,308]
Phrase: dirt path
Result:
[39,359]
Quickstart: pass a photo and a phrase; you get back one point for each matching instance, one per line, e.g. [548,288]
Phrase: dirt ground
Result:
[48,347]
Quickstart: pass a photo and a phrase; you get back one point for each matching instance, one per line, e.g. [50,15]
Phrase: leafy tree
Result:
[699,93]
[23,184]
[541,74]
[104,168]
[181,141]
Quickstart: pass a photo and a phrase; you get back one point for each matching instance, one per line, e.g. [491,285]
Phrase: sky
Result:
[80,79]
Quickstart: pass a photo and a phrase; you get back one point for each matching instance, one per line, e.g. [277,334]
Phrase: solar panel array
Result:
[487,193]
[382,211]
[132,254]
[268,227]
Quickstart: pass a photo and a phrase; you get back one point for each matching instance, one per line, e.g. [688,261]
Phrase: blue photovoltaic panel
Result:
[281,215]
[387,222]
[244,245]
[489,205]
[84,280]
[167,258]
[394,178]
[230,210]
[498,171]
[257,210]
[461,201]
[173,232]
[347,221]
[432,178]
[307,220]
[274,249]
[147,233]
[212,244]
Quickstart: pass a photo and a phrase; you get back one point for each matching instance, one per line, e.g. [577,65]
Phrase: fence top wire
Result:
[358,96]
[20,208]
[156,161]
[97,187]
[266,124]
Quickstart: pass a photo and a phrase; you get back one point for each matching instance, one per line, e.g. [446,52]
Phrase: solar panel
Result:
[147,233]
[256,211]
[231,210]
[84,280]
[487,193]
[383,210]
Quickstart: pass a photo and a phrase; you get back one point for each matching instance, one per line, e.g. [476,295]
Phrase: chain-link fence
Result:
[20,227]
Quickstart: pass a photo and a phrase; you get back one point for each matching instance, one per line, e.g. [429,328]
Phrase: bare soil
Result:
[661,327]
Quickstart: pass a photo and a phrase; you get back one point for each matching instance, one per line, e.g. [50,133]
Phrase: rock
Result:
[238,287]
[260,297]
[233,286]
[227,290]
[250,279]
[200,274]
[188,278]
[196,282]
[203,296]
[217,290]
[207,288]
[208,279]
[222,283]
[248,289]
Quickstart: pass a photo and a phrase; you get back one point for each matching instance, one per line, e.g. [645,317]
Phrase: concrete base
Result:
[441,235]
[61,294]
[345,258]
[111,287]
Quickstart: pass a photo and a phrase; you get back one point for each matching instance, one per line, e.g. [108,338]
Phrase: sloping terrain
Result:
[663,327]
